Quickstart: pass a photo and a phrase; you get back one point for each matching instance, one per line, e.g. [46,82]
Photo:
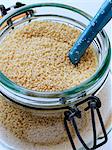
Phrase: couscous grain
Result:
[35,56]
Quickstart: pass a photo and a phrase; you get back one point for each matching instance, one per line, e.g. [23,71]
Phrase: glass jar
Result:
[32,120]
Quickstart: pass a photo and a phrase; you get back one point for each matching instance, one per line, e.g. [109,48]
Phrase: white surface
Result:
[89,6]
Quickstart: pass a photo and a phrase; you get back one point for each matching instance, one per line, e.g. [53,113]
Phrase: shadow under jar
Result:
[63,120]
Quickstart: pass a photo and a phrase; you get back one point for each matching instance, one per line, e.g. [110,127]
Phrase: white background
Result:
[89,6]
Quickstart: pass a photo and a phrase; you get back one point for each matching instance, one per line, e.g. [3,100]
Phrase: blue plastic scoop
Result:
[102,17]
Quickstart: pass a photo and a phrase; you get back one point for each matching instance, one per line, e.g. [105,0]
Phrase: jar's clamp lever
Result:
[4,11]
[94,104]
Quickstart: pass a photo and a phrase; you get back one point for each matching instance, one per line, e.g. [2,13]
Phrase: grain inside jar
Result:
[36,57]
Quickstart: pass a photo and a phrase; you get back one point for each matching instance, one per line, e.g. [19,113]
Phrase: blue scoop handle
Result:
[102,17]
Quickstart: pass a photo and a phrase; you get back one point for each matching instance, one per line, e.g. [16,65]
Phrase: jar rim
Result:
[4,81]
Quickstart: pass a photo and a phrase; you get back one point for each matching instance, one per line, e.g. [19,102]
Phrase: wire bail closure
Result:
[4,11]
[94,104]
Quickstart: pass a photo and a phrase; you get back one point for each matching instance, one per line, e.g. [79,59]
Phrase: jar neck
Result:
[35,101]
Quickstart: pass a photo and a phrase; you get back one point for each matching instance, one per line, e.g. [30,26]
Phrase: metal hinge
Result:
[4,11]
